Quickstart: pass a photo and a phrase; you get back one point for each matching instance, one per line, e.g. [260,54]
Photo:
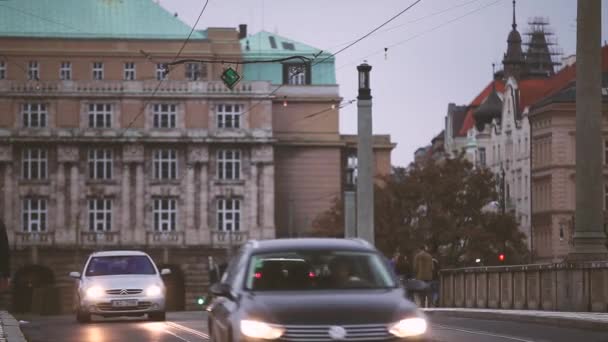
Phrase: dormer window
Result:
[296,74]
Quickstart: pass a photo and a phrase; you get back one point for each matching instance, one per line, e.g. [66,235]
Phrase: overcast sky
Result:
[444,57]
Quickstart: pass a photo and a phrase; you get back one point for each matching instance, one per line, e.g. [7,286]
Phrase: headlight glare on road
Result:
[94,292]
[153,291]
[255,329]
[409,327]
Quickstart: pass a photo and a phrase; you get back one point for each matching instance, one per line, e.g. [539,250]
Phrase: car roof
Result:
[118,253]
[280,245]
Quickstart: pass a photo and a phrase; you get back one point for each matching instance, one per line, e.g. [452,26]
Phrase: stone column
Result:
[589,236]
[8,197]
[60,213]
[204,198]
[190,197]
[139,203]
[268,201]
[365,158]
[125,229]
[75,210]
[253,194]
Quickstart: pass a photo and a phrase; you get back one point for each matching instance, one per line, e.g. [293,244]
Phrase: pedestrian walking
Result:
[423,269]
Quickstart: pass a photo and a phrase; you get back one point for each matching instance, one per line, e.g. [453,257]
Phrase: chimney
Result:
[242,31]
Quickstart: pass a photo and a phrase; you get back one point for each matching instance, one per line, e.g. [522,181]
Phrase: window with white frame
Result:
[229,115]
[165,214]
[2,70]
[98,71]
[196,71]
[100,164]
[34,163]
[161,71]
[129,71]
[34,214]
[100,214]
[100,115]
[229,164]
[65,71]
[33,71]
[482,156]
[229,214]
[34,115]
[165,164]
[165,115]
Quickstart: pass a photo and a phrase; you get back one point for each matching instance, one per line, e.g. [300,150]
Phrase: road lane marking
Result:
[188,330]
[478,332]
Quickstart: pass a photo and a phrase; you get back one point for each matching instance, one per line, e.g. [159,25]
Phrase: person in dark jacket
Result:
[5,258]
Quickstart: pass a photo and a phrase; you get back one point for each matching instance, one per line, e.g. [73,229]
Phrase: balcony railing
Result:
[119,87]
[165,238]
[100,238]
[34,238]
[223,238]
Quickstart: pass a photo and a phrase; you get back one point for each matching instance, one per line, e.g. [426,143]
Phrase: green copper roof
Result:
[125,19]
[265,45]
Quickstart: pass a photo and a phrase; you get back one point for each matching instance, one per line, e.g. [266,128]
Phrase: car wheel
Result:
[157,316]
[83,317]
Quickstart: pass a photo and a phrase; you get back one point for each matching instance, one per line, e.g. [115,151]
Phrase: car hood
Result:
[123,281]
[328,307]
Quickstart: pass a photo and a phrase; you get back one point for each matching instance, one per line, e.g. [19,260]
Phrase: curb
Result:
[9,328]
[569,322]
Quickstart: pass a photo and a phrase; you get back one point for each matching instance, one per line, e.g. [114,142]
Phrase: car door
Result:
[223,308]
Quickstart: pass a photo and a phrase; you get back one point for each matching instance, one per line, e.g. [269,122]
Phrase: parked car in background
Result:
[120,283]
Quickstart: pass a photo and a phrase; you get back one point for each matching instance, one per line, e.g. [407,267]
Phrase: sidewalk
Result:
[9,329]
[582,320]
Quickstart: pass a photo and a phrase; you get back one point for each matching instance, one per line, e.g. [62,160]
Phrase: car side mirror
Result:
[165,271]
[221,290]
[75,275]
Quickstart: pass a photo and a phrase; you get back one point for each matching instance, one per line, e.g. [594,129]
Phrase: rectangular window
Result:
[100,214]
[98,71]
[165,164]
[65,71]
[229,164]
[100,115]
[229,214]
[295,74]
[34,115]
[34,163]
[482,156]
[165,214]
[165,116]
[161,71]
[196,71]
[229,115]
[33,71]
[34,215]
[129,71]
[100,164]
[2,70]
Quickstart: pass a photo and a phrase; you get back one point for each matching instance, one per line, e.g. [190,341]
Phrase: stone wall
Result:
[557,287]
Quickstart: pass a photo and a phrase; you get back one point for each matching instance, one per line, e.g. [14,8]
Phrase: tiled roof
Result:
[469,121]
[122,19]
[458,116]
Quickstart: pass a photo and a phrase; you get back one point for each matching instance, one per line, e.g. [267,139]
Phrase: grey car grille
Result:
[124,292]
[109,308]
[368,332]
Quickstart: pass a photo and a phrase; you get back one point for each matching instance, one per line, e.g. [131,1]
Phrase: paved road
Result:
[190,327]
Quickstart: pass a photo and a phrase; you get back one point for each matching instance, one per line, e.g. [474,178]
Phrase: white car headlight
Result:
[94,292]
[153,291]
[408,327]
[265,331]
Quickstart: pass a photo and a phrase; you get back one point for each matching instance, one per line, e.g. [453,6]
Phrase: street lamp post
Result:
[365,161]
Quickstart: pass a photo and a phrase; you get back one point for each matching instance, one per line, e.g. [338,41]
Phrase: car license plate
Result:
[124,303]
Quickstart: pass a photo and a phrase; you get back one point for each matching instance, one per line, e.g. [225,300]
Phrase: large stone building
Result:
[103,145]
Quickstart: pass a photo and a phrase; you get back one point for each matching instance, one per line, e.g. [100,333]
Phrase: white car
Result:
[120,283]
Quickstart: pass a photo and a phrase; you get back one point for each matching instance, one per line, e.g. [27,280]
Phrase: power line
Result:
[42,18]
[143,109]
[423,33]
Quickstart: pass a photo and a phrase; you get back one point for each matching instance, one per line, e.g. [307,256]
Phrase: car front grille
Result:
[124,292]
[310,333]
[108,307]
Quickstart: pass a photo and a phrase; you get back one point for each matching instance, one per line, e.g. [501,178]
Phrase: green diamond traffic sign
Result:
[230,77]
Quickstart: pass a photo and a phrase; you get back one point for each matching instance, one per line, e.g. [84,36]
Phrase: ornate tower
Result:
[514,60]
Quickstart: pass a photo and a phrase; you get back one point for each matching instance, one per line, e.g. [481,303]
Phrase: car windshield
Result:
[317,270]
[117,265]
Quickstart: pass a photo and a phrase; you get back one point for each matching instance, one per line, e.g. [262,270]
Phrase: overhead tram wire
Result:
[421,33]
[143,109]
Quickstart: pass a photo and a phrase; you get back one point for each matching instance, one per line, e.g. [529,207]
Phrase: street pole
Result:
[350,218]
[365,158]
[589,235]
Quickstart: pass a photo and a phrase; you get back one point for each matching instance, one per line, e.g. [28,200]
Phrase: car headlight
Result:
[265,331]
[153,291]
[94,292]
[409,327]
